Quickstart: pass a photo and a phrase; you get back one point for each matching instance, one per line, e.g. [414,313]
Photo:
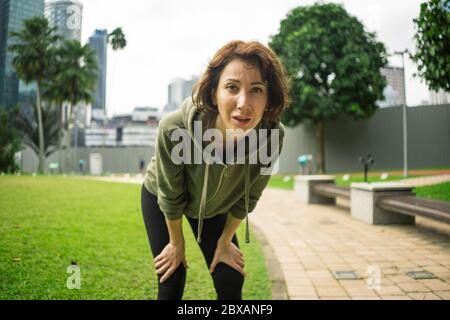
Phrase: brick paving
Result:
[312,241]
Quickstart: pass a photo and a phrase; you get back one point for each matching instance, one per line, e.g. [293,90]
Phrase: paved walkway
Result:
[310,242]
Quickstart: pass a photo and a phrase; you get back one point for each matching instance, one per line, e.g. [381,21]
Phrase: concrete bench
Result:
[374,203]
[413,206]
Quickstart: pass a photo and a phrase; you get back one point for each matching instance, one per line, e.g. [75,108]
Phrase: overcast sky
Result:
[176,38]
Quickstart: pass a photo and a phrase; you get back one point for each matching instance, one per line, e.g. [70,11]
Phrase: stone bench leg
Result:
[303,189]
[363,203]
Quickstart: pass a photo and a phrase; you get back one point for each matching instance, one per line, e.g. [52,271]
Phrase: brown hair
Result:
[254,53]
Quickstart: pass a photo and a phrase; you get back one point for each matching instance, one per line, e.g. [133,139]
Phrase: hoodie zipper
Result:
[222,174]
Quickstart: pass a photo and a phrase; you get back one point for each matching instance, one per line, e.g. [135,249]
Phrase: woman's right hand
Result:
[169,259]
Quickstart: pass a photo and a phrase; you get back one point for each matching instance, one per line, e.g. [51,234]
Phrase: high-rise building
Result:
[394,93]
[99,42]
[12,14]
[66,16]
[179,89]
[439,97]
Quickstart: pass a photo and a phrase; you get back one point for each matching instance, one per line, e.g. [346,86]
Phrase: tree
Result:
[334,66]
[75,79]
[117,39]
[433,44]
[53,93]
[28,127]
[9,143]
[33,57]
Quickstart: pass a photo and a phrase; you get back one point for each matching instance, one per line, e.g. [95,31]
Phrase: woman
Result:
[243,90]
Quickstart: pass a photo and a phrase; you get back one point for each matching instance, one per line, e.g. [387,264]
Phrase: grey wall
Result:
[115,160]
[382,136]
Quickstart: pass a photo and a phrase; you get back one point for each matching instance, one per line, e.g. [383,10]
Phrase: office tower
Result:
[66,16]
[179,89]
[12,14]
[394,92]
[99,42]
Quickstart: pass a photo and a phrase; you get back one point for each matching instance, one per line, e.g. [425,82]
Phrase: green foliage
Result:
[28,127]
[433,44]
[33,57]
[333,63]
[9,143]
[33,49]
[117,39]
[74,75]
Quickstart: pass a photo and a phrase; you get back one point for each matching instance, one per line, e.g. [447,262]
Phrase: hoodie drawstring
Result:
[247,196]
[201,213]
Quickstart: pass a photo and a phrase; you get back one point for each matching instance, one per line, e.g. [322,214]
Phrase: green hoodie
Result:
[202,191]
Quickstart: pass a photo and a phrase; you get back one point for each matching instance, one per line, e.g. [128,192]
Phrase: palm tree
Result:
[53,93]
[117,39]
[28,127]
[76,79]
[32,60]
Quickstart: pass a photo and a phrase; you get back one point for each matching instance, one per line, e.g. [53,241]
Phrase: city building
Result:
[394,92]
[99,42]
[439,97]
[12,15]
[179,89]
[66,16]
[136,129]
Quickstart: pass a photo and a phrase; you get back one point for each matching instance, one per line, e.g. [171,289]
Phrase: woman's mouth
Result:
[241,120]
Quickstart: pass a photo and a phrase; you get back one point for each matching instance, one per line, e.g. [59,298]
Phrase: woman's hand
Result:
[228,253]
[169,259]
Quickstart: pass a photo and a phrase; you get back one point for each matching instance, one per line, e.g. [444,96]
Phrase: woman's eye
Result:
[257,90]
[232,88]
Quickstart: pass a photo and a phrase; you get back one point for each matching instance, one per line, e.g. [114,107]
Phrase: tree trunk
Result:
[60,132]
[68,136]
[41,155]
[319,129]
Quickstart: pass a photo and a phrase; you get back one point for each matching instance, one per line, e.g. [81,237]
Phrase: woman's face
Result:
[241,97]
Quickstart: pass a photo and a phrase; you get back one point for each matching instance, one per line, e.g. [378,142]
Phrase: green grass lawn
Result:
[438,191]
[46,223]
[287,181]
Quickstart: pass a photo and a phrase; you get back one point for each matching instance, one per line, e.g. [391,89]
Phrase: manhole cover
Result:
[418,275]
[346,275]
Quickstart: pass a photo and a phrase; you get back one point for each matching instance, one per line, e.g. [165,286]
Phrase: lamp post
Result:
[367,163]
[404,107]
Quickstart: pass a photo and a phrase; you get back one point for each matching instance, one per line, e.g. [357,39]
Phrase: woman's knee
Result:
[228,282]
[173,287]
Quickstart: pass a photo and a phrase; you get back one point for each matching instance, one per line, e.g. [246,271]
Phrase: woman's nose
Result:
[243,100]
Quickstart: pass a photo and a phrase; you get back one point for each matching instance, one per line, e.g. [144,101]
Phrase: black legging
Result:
[228,282]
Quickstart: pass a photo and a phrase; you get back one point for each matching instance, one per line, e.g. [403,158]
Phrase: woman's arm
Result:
[173,254]
[175,231]
[226,251]
[230,228]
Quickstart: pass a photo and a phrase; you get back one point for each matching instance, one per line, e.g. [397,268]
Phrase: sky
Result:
[177,38]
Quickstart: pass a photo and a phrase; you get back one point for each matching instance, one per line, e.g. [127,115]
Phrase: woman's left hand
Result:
[228,253]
